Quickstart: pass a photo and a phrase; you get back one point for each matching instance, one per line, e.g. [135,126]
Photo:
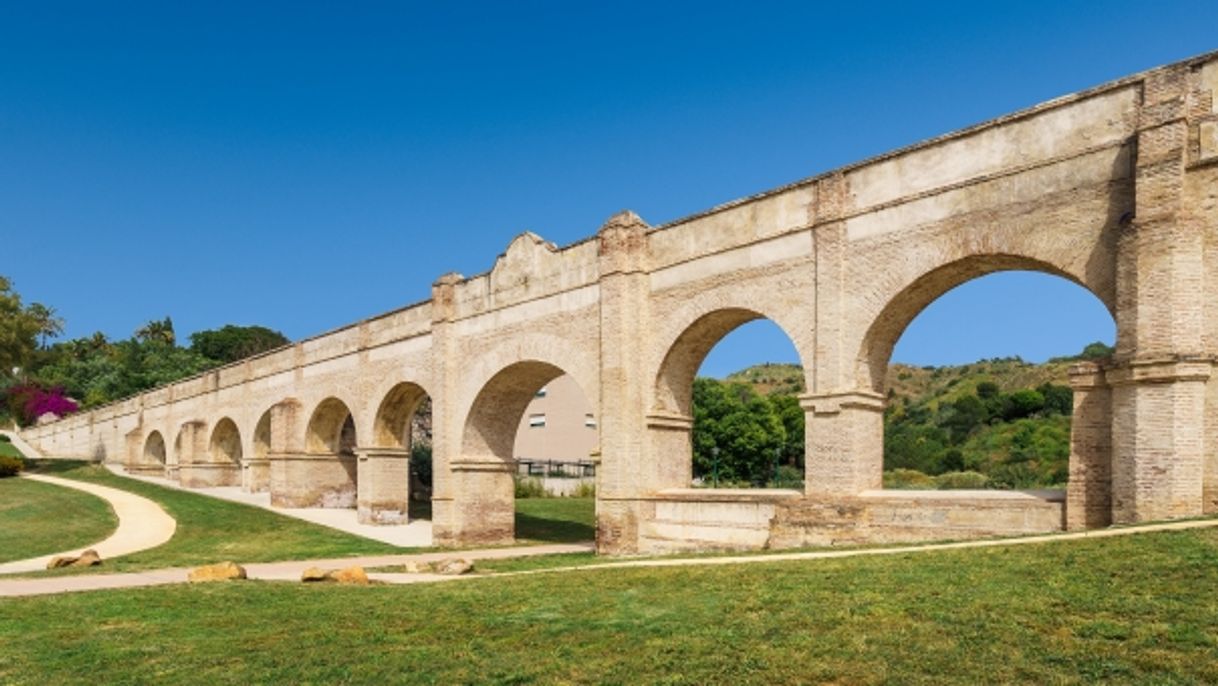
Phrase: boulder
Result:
[314,574]
[350,575]
[89,558]
[454,566]
[222,571]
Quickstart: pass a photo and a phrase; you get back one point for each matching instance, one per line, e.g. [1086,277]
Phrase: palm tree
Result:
[161,331]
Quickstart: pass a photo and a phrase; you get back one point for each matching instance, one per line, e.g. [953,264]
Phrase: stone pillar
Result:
[383,485]
[484,506]
[256,474]
[287,439]
[448,523]
[844,436]
[1158,446]
[1089,491]
[1160,368]
[193,470]
[632,444]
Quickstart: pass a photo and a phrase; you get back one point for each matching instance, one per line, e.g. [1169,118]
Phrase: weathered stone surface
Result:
[314,574]
[453,567]
[349,575]
[417,568]
[221,571]
[1112,188]
[88,558]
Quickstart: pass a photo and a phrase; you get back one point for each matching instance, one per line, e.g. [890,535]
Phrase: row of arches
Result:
[488,427]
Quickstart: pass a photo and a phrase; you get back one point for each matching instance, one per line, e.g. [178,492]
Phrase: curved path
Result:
[142,524]
[284,571]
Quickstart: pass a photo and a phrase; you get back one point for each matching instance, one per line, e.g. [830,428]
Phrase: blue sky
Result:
[303,165]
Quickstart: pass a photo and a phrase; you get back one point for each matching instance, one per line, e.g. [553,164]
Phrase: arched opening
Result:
[154,450]
[396,476]
[256,475]
[225,444]
[979,388]
[331,429]
[727,411]
[330,441]
[262,436]
[488,467]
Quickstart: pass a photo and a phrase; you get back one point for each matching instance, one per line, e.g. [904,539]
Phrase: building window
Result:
[541,393]
[537,420]
[590,421]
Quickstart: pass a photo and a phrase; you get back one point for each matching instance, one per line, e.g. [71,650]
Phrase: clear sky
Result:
[303,165]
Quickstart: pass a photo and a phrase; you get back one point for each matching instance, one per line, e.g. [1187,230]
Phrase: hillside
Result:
[1000,422]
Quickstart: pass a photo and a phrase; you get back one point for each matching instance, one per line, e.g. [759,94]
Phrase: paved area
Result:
[416,534]
[142,524]
[274,571]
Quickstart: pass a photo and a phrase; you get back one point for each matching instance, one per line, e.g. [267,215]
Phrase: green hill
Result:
[1000,422]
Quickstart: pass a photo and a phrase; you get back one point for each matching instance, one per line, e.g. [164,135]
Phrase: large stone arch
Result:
[904,303]
[483,498]
[686,340]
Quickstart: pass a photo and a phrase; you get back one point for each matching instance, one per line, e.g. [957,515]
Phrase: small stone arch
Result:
[225,444]
[154,450]
[331,429]
[392,423]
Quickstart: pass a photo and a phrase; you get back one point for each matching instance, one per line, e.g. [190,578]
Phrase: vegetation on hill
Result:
[1002,423]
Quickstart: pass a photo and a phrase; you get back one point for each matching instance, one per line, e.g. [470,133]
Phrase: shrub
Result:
[5,439]
[954,480]
[9,466]
[788,477]
[907,478]
[529,488]
[585,490]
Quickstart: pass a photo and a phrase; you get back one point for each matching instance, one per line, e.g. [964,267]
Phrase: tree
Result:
[737,434]
[232,343]
[22,329]
[157,330]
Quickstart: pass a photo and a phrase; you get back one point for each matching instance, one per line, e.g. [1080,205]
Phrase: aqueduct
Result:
[1114,188]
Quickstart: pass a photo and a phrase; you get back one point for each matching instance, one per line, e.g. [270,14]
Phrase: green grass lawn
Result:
[27,506]
[9,450]
[210,530]
[555,520]
[1139,609]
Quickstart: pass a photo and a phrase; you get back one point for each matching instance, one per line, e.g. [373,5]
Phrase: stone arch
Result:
[670,423]
[686,351]
[392,423]
[261,445]
[331,429]
[482,473]
[900,308]
[490,426]
[154,449]
[582,363]
[225,444]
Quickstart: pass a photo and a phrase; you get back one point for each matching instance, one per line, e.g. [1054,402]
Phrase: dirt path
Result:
[142,524]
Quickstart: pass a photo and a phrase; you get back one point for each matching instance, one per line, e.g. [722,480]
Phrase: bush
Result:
[5,439]
[788,477]
[529,488]
[9,466]
[585,490]
[907,478]
[954,480]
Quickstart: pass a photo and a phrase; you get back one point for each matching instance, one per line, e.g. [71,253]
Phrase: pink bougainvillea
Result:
[29,402]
